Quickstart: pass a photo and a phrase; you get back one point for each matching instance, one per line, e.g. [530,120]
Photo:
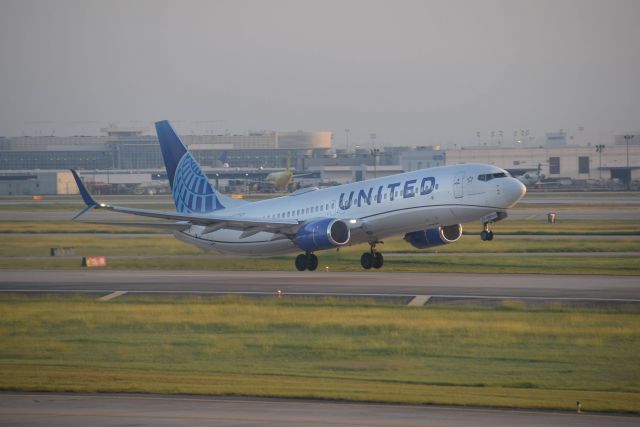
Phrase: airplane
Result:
[530,179]
[280,180]
[426,206]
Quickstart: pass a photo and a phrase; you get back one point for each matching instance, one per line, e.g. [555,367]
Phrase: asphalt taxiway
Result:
[321,283]
[53,409]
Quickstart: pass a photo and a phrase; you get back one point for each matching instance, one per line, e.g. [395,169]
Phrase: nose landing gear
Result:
[373,258]
[486,234]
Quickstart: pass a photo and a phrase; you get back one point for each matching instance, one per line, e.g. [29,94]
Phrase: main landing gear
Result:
[368,260]
[306,261]
[373,258]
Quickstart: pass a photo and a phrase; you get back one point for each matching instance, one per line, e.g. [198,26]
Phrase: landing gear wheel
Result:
[301,262]
[312,262]
[378,260]
[486,234]
[366,260]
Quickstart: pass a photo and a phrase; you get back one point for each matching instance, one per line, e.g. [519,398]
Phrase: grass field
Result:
[469,255]
[513,355]
[152,245]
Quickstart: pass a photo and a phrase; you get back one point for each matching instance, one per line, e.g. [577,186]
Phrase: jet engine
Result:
[434,236]
[322,234]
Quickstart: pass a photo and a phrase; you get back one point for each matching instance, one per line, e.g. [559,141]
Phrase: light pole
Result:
[599,150]
[374,153]
[628,138]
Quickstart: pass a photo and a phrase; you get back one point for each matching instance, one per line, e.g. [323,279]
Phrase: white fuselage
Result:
[375,209]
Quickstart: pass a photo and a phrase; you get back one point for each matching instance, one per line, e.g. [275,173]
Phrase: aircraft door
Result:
[458,185]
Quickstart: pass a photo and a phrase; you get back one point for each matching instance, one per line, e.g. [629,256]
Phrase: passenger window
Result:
[333,205]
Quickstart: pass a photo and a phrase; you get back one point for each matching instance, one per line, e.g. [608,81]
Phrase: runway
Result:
[615,289]
[41,409]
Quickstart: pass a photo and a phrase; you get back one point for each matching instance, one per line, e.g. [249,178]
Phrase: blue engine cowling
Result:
[322,234]
[434,236]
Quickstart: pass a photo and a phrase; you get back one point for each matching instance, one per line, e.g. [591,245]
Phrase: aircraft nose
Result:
[514,190]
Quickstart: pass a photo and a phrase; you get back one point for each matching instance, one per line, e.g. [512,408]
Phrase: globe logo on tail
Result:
[191,191]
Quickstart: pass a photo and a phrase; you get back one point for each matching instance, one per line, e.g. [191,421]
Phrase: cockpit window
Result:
[490,176]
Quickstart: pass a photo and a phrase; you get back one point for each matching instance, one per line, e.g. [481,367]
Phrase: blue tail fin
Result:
[189,185]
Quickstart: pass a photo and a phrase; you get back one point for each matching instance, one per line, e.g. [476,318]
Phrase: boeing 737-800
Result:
[426,206]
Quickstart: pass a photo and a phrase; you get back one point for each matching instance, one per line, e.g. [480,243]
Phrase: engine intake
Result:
[431,237]
[323,234]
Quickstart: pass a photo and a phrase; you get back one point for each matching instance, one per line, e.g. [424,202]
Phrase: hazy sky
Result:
[413,72]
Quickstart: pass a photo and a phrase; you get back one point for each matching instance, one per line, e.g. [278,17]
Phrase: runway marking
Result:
[325,294]
[419,300]
[111,296]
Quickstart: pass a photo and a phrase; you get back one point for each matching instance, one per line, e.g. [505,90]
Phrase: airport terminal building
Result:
[615,160]
[126,160]
[124,149]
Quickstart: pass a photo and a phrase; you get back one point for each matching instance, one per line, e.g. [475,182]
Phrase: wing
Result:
[248,225]
[165,226]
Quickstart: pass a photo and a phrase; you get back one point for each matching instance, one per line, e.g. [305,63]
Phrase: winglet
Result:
[88,200]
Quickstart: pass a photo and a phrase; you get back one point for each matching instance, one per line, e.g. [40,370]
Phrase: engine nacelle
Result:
[434,236]
[323,234]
